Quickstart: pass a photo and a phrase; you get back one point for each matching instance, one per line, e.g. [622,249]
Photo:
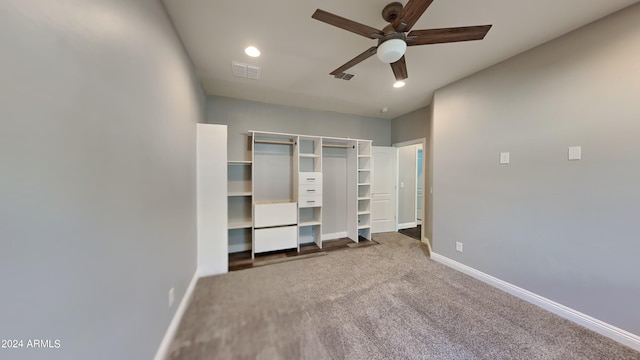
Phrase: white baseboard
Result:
[407,225]
[163,349]
[334,236]
[591,323]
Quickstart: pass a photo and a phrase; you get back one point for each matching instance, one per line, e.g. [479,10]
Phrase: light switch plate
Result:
[504,158]
[575,152]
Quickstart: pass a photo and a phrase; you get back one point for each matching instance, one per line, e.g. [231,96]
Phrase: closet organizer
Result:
[299,189]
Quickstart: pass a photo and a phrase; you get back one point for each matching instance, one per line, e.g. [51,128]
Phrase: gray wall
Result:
[411,126]
[566,230]
[407,177]
[415,125]
[243,115]
[97,194]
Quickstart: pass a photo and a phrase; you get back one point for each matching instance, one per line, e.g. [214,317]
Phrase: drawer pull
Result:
[311,190]
[310,201]
[311,179]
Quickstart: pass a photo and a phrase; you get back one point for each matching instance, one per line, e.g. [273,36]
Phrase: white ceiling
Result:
[298,52]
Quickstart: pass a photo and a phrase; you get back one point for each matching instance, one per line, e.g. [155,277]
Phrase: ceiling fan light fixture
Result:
[252,51]
[398,84]
[391,50]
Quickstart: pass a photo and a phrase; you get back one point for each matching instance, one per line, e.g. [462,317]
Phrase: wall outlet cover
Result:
[504,158]
[458,246]
[575,152]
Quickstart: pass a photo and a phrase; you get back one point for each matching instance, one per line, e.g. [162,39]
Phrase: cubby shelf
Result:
[363,227]
[240,225]
[364,212]
[239,193]
[309,223]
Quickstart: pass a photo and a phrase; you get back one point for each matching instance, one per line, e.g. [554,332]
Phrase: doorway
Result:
[410,188]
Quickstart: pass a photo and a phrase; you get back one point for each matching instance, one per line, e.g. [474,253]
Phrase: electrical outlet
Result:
[171,297]
[458,246]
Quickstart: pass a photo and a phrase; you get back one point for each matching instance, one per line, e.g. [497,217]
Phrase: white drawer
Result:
[309,201]
[275,214]
[310,189]
[310,178]
[278,238]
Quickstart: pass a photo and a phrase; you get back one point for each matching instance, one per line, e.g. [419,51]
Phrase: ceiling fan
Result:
[392,40]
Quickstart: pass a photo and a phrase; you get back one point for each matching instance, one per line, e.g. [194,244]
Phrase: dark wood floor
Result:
[415,232]
[242,260]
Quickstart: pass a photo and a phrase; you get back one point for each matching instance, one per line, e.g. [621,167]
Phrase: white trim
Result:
[591,323]
[408,225]
[163,349]
[333,236]
[421,140]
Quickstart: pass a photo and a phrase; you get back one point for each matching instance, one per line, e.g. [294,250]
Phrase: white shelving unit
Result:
[276,200]
[364,189]
[239,201]
[309,191]
[275,209]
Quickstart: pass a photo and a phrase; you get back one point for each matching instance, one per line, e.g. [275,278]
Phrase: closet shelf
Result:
[309,156]
[364,169]
[364,184]
[337,146]
[240,225]
[274,202]
[309,223]
[364,156]
[239,162]
[239,193]
[363,227]
[364,198]
[274,142]
[364,212]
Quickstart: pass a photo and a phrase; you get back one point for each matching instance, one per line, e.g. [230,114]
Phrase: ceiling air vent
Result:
[245,70]
[344,76]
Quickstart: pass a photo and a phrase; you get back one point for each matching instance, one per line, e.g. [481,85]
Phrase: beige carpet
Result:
[379,302]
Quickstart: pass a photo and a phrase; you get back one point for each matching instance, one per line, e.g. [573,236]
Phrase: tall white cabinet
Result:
[211,177]
[278,200]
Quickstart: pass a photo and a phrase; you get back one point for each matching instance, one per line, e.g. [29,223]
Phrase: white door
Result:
[383,189]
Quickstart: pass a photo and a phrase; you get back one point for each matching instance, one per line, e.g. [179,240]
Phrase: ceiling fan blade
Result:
[356,60]
[400,69]
[346,24]
[447,35]
[410,14]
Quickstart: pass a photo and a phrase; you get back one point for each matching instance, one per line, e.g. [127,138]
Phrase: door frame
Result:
[422,141]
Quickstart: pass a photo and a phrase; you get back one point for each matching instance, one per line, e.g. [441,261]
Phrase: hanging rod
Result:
[275,142]
[338,146]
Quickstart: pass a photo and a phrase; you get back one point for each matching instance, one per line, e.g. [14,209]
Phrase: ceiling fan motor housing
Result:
[391,11]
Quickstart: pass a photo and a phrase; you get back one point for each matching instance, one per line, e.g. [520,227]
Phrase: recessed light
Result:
[398,84]
[252,51]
